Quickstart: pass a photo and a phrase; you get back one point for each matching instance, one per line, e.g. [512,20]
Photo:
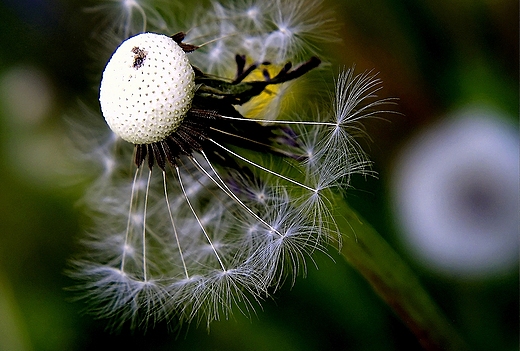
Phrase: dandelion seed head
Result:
[234,200]
[456,190]
[147,88]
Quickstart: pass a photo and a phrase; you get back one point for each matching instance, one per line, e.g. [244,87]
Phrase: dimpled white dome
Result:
[147,88]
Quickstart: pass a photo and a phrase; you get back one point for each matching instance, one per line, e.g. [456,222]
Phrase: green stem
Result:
[395,282]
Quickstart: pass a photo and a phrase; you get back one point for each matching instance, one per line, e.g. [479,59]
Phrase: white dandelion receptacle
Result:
[147,88]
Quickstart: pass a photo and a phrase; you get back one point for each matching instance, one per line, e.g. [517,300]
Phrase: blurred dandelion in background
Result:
[30,146]
[219,209]
[456,191]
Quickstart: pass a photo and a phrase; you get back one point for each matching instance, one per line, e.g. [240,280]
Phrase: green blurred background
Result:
[435,55]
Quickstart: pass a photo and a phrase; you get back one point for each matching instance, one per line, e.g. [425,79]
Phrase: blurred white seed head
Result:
[456,194]
[147,88]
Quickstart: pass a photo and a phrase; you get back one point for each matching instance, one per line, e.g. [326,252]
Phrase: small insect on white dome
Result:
[147,88]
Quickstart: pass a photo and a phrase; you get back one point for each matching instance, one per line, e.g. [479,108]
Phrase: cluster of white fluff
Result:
[272,30]
[198,240]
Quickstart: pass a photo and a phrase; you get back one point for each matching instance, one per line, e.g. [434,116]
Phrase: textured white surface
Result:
[147,88]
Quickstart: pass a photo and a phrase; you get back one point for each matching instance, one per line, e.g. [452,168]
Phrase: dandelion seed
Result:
[219,209]
[129,17]
[274,30]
